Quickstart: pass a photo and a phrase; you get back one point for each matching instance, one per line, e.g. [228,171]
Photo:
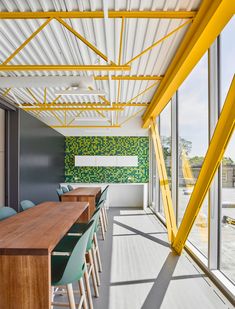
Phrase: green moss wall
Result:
[107,146]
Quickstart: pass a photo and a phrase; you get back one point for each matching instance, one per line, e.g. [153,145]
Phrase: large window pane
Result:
[227,259]
[193,144]
[165,134]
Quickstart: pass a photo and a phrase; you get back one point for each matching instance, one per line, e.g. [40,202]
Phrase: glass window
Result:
[193,144]
[227,250]
[165,134]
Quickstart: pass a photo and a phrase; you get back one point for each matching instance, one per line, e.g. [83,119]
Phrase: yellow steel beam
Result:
[84,104]
[125,77]
[85,127]
[53,108]
[98,14]
[81,38]
[211,18]
[26,42]
[132,116]
[222,134]
[164,184]
[142,92]
[58,67]
[160,41]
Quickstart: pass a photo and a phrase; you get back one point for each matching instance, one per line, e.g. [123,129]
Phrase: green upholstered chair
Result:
[68,269]
[6,212]
[70,188]
[59,193]
[26,204]
[64,189]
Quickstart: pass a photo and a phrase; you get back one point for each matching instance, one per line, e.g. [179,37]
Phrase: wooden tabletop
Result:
[84,191]
[37,230]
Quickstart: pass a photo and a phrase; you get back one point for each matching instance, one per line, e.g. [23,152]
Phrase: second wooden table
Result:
[83,194]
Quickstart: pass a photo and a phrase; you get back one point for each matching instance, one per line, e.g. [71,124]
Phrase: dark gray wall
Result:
[41,160]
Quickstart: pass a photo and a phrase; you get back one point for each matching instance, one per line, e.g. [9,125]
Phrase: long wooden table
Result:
[26,242]
[83,194]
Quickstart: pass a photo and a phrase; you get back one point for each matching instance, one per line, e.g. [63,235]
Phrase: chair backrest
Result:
[103,196]
[64,189]
[6,212]
[59,192]
[70,188]
[26,204]
[95,219]
[75,265]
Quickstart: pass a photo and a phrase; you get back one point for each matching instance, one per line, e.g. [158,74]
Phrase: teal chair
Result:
[70,188]
[59,193]
[66,270]
[64,189]
[6,212]
[104,215]
[26,204]
[68,242]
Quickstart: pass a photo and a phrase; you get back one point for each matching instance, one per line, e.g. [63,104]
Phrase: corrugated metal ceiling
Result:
[56,45]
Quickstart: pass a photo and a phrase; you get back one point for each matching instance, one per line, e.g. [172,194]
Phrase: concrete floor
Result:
[141,272]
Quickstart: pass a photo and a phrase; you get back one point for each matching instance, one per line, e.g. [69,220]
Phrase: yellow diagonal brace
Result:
[101,97]
[81,38]
[214,155]
[74,118]
[160,41]
[57,117]
[103,116]
[32,95]
[6,92]
[164,184]
[142,92]
[132,116]
[45,96]
[26,42]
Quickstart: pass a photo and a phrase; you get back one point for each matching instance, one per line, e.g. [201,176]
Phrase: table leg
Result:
[25,282]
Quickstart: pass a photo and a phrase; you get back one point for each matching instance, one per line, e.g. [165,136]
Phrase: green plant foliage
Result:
[107,146]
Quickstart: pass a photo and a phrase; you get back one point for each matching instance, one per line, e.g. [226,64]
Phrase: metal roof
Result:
[56,45]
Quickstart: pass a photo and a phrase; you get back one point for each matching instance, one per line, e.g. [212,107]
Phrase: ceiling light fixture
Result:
[80,91]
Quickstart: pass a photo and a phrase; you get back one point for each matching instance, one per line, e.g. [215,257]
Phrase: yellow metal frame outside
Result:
[164,184]
[211,18]
[83,104]
[98,14]
[222,134]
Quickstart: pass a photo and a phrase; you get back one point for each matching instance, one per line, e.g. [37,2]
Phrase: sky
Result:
[193,98]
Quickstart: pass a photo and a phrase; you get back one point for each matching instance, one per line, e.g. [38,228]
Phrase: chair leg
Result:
[104,219]
[83,301]
[106,215]
[95,265]
[97,251]
[72,304]
[93,274]
[88,288]
[102,226]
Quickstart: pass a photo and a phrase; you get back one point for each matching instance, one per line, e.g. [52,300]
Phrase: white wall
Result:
[2,155]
